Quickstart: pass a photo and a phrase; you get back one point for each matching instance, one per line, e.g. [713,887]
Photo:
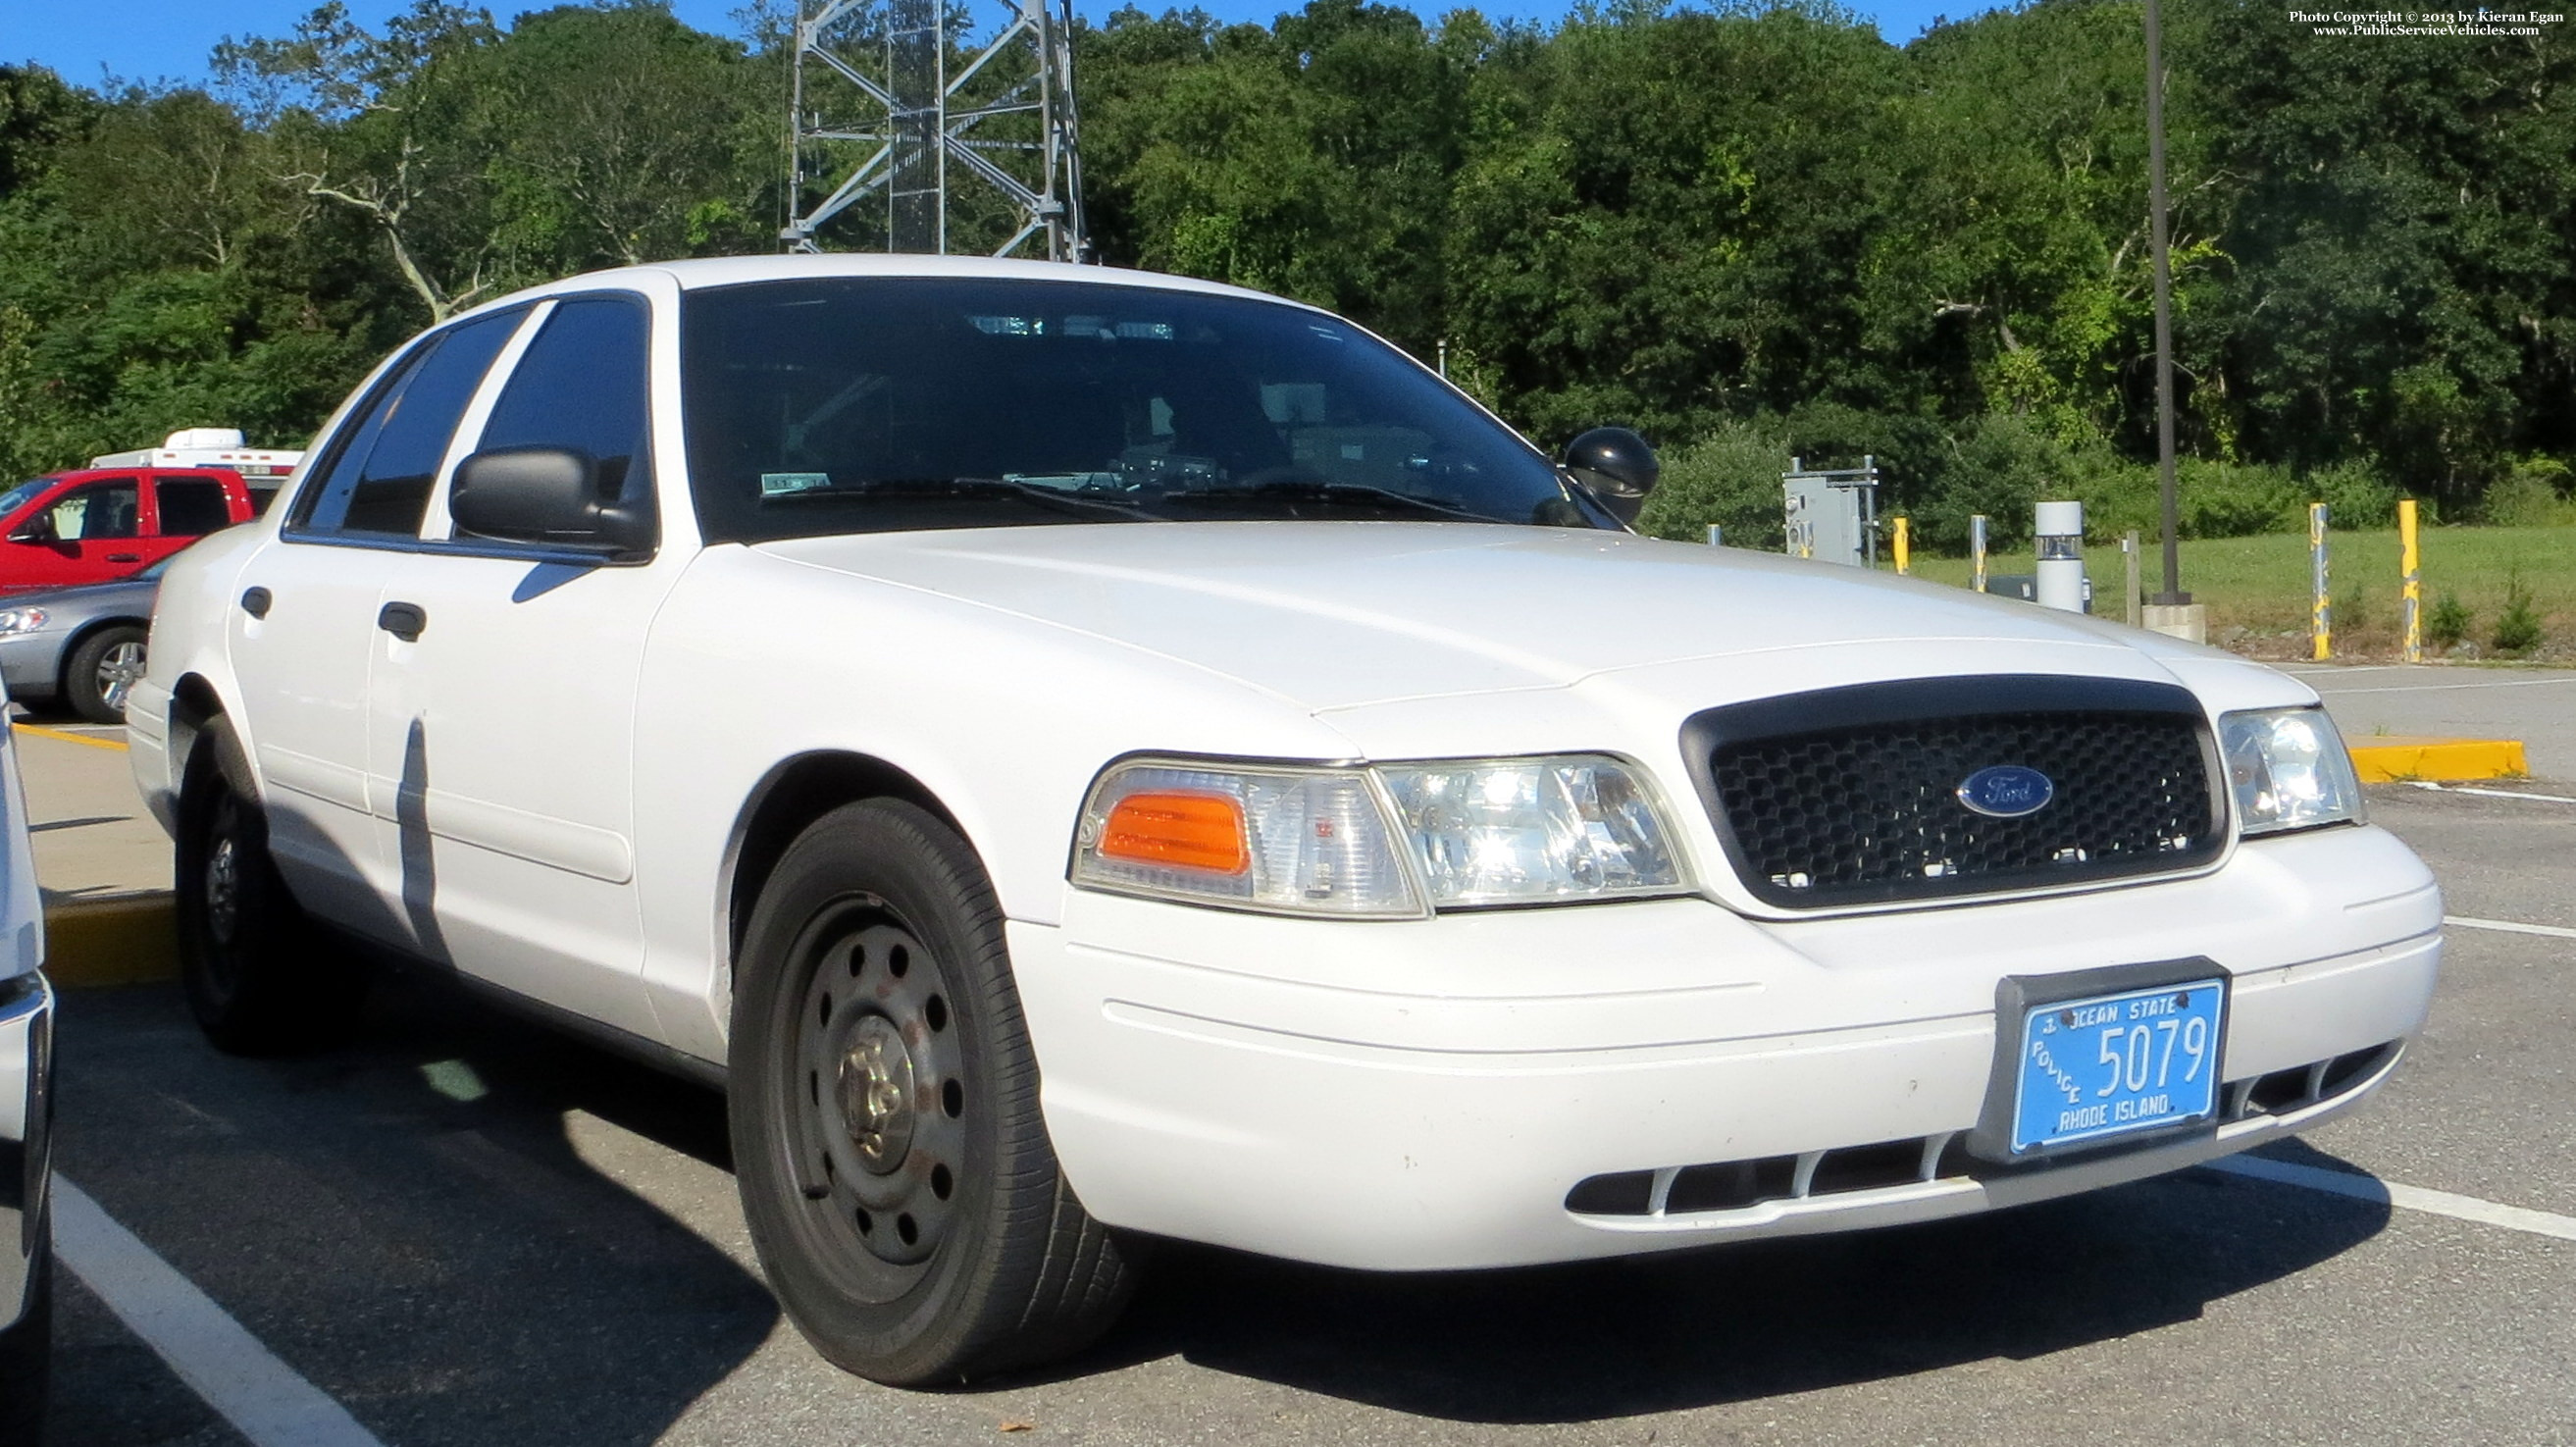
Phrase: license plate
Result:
[2106,1065]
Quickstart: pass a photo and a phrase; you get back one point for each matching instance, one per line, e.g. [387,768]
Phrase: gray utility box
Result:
[1832,513]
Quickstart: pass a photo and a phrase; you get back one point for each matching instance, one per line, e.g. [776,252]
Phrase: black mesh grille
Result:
[1828,800]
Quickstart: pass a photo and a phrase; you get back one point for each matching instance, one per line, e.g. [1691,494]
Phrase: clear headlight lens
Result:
[1319,840]
[1291,840]
[20,620]
[1532,831]
[2289,769]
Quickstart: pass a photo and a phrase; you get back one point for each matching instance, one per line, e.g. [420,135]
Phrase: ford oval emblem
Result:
[2006,791]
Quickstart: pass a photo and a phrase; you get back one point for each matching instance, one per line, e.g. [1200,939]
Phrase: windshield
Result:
[876,404]
[24,493]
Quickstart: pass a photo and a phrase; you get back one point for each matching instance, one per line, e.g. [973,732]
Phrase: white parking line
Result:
[2439,787]
[261,1396]
[2511,927]
[2446,687]
[2389,1193]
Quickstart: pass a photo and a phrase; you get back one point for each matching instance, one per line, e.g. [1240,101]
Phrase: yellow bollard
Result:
[2321,605]
[1904,545]
[2411,567]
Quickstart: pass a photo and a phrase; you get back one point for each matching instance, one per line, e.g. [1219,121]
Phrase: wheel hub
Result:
[877,1094]
[117,670]
[223,888]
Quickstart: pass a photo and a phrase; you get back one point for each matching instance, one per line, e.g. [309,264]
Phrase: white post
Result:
[2060,526]
[1977,551]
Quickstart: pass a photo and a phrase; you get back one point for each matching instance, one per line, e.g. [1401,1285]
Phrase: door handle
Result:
[255,601]
[403,620]
[125,557]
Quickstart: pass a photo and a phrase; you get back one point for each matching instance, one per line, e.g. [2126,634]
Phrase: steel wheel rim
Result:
[875,1094]
[222,880]
[118,667]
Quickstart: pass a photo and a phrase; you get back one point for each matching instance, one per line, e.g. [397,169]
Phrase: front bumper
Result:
[26,1121]
[1427,1095]
[31,665]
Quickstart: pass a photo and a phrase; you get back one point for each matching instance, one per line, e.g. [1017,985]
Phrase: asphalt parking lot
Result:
[462,1229]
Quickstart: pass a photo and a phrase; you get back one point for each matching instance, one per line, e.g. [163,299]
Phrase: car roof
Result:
[85,474]
[739,270]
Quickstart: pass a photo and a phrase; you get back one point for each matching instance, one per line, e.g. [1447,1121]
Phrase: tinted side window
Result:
[581,384]
[380,480]
[191,507]
[100,510]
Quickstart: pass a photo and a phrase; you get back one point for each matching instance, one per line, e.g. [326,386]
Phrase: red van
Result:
[95,525]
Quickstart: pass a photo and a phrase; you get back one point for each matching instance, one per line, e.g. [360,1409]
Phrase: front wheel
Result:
[102,671]
[895,1173]
[256,975]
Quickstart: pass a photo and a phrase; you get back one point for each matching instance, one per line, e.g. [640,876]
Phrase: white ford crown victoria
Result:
[1084,756]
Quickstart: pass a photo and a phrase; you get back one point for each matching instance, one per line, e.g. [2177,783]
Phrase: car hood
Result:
[1344,615]
[136,593]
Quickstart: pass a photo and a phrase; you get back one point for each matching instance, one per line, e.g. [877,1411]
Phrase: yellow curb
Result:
[2387,758]
[127,940]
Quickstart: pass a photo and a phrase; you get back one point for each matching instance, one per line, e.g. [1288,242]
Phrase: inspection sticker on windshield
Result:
[2111,1064]
[780,484]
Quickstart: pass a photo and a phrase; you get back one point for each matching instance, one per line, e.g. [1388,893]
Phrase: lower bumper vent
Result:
[1848,1170]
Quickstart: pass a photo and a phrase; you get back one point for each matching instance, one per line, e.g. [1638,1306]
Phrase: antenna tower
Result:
[960,147]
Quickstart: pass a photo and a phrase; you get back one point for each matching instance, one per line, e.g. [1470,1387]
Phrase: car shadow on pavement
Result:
[1759,1320]
[415,1220]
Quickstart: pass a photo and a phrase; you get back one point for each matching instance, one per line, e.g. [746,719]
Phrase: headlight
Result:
[1305,840]
[2289,769]
[20,620]
[1532,831]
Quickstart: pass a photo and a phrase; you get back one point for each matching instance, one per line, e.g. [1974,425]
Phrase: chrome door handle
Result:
[255,601]
[403,620]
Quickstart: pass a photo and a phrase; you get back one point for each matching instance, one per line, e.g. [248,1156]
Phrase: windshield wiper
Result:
[1350,492]
[1070,503]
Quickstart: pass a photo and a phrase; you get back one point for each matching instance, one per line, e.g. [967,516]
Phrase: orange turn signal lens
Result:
[1177,830]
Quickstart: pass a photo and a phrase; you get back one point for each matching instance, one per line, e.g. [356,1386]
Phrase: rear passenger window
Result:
[191,507]
[380,477]
[581,384]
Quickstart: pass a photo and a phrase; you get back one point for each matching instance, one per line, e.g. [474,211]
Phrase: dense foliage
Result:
[1751,232]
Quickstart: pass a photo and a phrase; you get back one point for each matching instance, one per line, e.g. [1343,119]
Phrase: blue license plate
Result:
[2107,1065]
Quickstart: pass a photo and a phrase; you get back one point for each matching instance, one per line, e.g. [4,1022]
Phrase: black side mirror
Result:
[1618,467]
[37,529]
[547,495]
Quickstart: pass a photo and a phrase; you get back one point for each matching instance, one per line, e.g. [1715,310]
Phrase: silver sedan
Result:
[79,648]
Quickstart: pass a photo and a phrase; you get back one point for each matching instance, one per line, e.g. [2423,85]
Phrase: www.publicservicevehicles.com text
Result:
[2488,23]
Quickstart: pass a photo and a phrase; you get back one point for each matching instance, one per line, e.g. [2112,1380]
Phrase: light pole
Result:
[2158,243]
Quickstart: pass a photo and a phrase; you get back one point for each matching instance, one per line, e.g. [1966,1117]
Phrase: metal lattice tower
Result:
[970,148]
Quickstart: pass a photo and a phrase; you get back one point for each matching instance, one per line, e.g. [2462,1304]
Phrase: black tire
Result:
[27,1353]
[101,669]
[259,979]
[898,1181]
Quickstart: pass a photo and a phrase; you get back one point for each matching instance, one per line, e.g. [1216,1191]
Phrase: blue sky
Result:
[152,39]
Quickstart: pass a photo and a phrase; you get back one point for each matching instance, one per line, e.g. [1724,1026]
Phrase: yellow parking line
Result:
[67,736]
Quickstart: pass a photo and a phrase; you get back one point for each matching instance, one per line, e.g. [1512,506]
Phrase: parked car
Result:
[95,525]
[79,648]
[1084,756]
[26,1119]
